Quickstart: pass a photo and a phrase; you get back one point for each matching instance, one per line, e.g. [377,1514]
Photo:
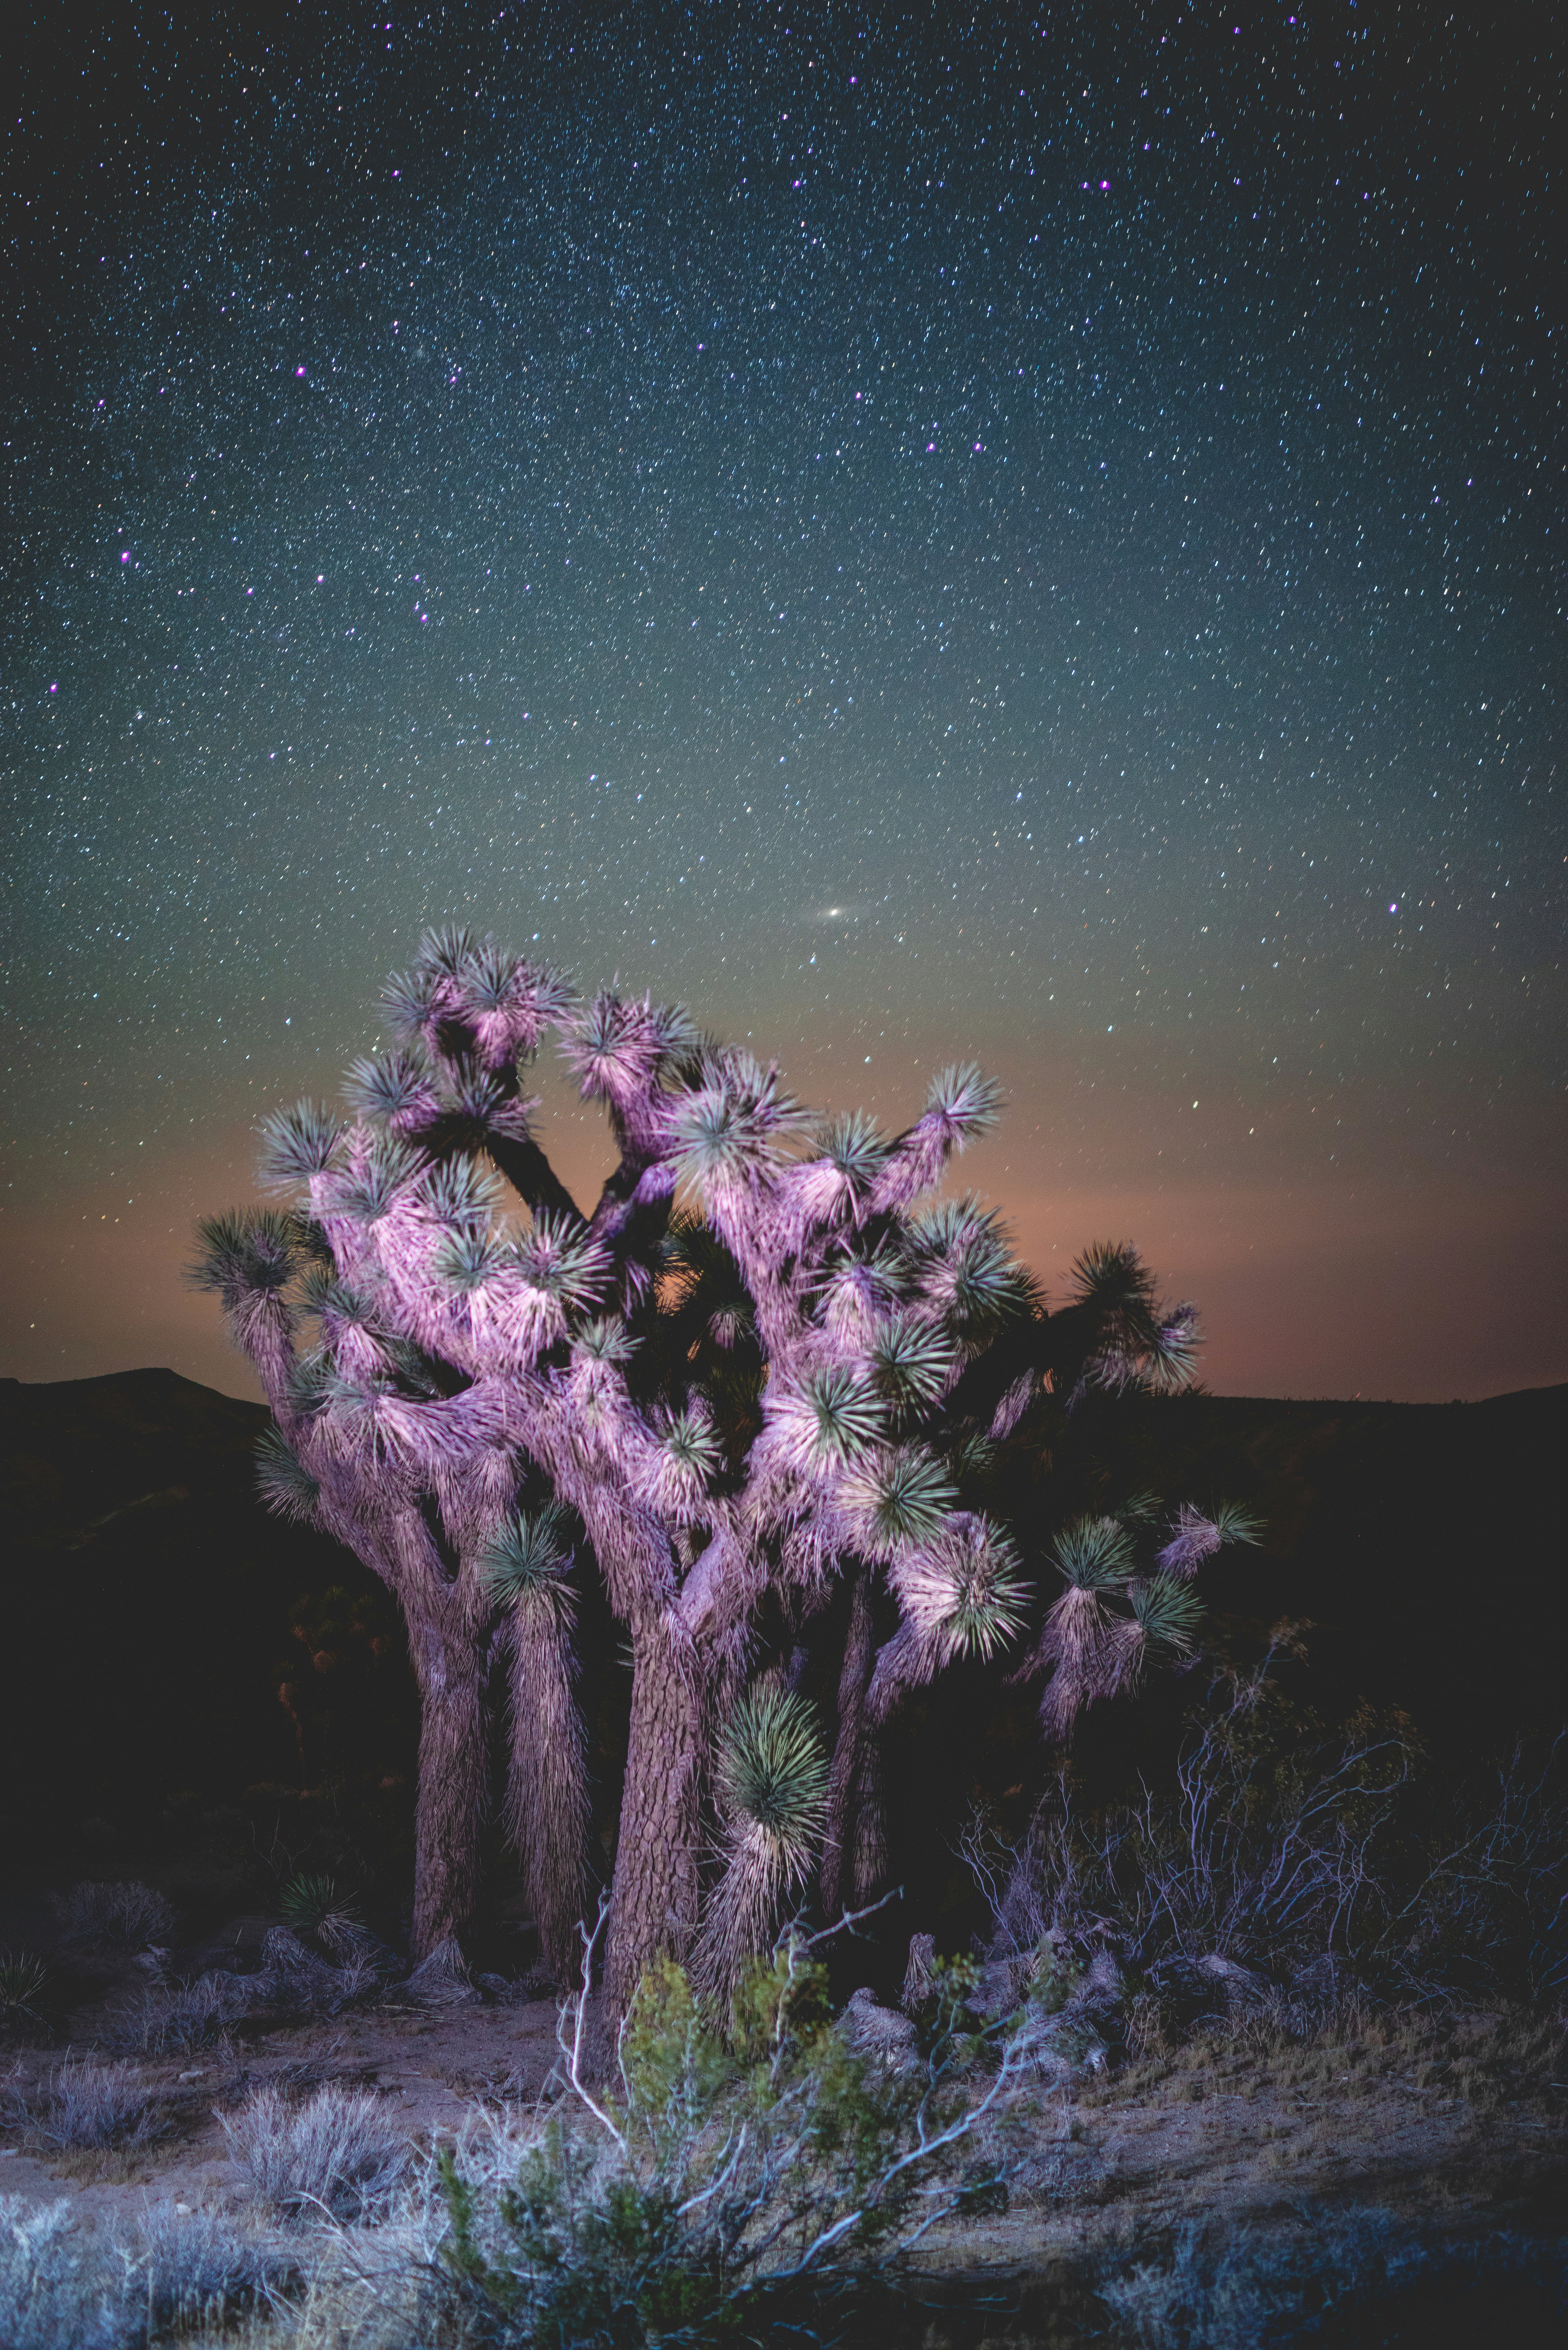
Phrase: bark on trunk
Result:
[868,1856]
[854,1678]
[654,1902]
[548,1800]
[451,1665]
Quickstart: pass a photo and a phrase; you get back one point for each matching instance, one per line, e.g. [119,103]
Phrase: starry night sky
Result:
[915,531]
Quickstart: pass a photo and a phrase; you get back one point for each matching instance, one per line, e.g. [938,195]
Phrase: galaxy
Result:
[918,533]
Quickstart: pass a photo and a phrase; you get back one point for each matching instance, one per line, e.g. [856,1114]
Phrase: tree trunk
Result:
[654,1901]
[854,1677]
[452,1666]
[867,1854]
[546,1796]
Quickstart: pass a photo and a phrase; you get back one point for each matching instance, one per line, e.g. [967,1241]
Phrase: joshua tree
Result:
[800,1378]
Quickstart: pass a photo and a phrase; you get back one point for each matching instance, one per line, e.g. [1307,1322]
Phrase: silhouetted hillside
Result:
[154,1610]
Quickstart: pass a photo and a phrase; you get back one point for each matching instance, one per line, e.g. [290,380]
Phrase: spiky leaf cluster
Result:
[963,1266]
[380,1178]
[460,1192]
[965,1590]
[466,1260]
[285,1485]
[296,1144]
[731,1129]
[690,1438]
[966,1101]
[524,1560]
[858,1286]
[620,1049]
[836,1413]
[1141,1343]
[897,1499]
[1094,1555]
[606,1339]
[335,1304]
[1168,1611]
[248,1252]
[911,1362]
[390,1087]
[773,1771]
[564,1261]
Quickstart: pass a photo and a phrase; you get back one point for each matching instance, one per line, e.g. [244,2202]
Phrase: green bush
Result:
[728,2176]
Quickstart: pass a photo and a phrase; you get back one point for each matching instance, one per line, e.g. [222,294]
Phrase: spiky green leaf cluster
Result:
[462,1192]
[246,1252]
[466,1260]
[334,1303]
[974,1578]
[388,1085]
[408,1000]
[772,1771]
[491,979]
[317,1904]
[959,1255]
[296,1144]
[1234,1523]
[526,1558]
[911,1362]
[967,1101]
[730,1129]
[563,1260]
[692,1442]
[1168,1610]
[285,1486]
[859,1286]
[23,1979]
[1094,1553]
[844,1413]
[606,1339]
[448,951]
[899,1499]
[855,1146]
[383,1176]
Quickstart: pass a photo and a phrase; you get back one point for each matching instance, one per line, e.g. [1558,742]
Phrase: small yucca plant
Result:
[317,1905]
[772,1785]
[21,1981]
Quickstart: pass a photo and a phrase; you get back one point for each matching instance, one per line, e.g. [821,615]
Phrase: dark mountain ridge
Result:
[174,1644]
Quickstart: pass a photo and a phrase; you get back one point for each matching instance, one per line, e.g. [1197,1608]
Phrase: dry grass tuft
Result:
[342,2152]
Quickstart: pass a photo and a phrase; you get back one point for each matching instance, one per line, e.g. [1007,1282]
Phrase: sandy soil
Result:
[1462,2121]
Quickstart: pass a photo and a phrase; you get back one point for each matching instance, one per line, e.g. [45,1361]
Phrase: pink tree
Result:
[424,1355]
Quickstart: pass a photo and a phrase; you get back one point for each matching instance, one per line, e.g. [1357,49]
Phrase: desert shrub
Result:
[1264,1844]
[21,1981]
[58,2292]
[1287,1846]
[113,1916]
[1481,1900]
[730,2176]
[342,2151]
[181,2019]
[180,2267]
[82,2105]
[65,2288]
[1343,2272]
